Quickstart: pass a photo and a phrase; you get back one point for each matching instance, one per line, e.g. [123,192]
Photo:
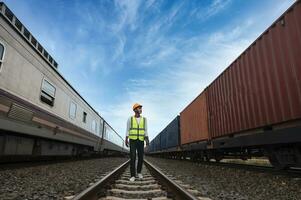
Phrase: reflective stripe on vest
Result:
[137,130]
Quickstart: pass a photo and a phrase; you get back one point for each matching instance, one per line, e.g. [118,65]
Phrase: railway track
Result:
[154,185]
[292,172]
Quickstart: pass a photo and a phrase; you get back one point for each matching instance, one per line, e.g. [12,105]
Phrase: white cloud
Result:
[128,13]
[150,3]
[158,56]
[214,8]
[118,53]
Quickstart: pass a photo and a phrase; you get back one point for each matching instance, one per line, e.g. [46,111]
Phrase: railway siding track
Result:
[154,185]
[290,172]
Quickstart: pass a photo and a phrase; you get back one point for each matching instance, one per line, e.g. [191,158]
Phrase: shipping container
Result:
[173,133]
[157,145]
[170,134]
[262,87]
[163,138]
[194,120]
[151,146]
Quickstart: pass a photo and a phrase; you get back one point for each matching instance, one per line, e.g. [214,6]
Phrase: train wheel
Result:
[206,158]
[218,158]
[273,158]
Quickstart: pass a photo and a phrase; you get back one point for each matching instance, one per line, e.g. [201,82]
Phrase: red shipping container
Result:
[194,120]
[262,87]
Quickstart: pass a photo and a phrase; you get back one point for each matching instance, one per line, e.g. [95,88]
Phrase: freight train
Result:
[41,114]
[253,108]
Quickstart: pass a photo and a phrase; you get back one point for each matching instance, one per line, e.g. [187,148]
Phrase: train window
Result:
[26,33]
[47,93]
[33,41]
[45,53]
[72,110]
[40,48]
[1,55]
[9,14]
[84,117]
[18,24]
[50,59]
[55,64]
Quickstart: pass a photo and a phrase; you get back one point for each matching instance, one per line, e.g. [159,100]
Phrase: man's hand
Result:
[127,141]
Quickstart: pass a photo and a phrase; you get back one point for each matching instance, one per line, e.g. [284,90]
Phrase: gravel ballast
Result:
[220,182]
[54,181]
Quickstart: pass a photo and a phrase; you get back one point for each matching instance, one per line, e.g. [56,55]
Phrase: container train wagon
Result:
[251,108]
[41,114]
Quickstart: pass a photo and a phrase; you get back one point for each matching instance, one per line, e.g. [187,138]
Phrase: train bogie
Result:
[53,148]
[15,145]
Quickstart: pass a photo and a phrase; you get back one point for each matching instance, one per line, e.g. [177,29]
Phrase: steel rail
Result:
[179,192]
[256,168]
[91,193]
[293,171]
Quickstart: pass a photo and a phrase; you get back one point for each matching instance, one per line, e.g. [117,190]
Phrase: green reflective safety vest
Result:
[137,130]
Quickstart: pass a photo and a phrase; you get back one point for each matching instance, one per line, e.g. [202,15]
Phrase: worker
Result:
[136,134]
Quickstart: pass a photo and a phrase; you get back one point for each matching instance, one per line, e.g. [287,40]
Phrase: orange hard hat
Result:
[136,105]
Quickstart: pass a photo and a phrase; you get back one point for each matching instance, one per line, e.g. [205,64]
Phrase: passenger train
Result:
[41,114]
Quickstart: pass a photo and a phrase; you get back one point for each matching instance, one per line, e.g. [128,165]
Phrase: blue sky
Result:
[160,53]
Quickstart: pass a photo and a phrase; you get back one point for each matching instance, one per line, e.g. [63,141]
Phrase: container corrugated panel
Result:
[173,133]
[163,138]
[169,136]
[152,146]
[194,120]
[263,86]
[149,147]
[157,143]
[159,148]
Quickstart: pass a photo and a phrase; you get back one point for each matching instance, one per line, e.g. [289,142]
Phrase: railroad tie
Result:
[188,187]
[146,188]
